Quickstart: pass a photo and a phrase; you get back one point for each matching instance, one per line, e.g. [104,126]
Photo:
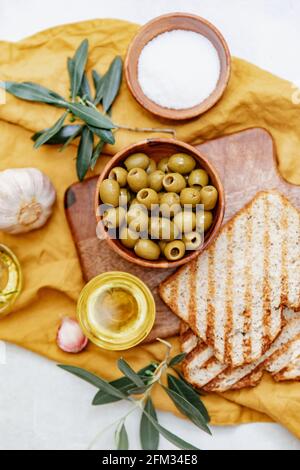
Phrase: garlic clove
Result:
[70,337]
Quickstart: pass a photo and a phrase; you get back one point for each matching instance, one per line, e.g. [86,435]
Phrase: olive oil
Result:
[10,279]
[116,310]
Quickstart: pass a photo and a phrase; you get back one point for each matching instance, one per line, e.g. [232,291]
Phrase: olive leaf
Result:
[104,134]
[32,92]
[77,67]
[188,409]
[102,398]
[149,434]
[85,89]
[72,137]
[96,79]
[121,437]
[112,82]
[96,154]
[90,116]
[61,137]
[94,380]
[99,87]
[124,384]
[70,66]
[48,134]
[182,388]
[130,373]
[177,441]
[176,359]
[84,153]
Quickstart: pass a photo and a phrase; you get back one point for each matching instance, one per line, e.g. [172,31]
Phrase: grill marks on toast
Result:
[192,307]
[266,308]
[293,258]
[219,331]
[228,297]
[243,281]
[209,334]
[282,360]
[238,287]
[200,325]
[248,294]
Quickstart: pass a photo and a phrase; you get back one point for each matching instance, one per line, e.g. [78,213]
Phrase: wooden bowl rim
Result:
[186,113]
[163,264]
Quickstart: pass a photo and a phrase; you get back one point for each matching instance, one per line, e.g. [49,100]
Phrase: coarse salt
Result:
[178,69]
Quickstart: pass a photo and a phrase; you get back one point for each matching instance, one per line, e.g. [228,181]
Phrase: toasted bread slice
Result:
[282,360]
[291,372]
[232,295]
[200,365]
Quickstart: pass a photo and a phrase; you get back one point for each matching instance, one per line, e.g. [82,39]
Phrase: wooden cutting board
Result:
[246,162]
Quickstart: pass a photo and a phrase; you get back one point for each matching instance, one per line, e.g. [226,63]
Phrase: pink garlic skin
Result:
[70,337]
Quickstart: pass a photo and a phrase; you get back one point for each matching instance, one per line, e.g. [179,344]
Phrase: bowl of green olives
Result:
[147,203]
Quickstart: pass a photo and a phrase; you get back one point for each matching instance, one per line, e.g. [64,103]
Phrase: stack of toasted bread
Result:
[239,299]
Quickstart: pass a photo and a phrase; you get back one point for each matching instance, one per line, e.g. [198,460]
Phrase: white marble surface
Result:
[42,407]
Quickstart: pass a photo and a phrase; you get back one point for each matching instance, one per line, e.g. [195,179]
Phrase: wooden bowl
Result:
[157,149]
[170,22]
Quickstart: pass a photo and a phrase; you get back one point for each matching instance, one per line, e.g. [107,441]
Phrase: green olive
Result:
[163,165]
[185,221]
[125,196]
[137,160]
[148,197]
[128,237]
[162,245]
[137,218]
[209,197]
[174,250]
[119,174]
[181,163]
[192,240]
[174,182]
[147,249]
[137,179]
[190,196]
[168,230]
[198,177]
[113,217]
[162,228]
[151,167]
[109,192]
[160,196]
[155,180]
[204,219]
[169,198]
[134,201]
[169,204]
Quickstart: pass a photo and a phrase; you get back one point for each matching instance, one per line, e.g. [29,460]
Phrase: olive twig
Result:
[147,129]
[137,129]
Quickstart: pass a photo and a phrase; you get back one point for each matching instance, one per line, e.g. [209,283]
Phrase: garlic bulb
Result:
[70,337]
[26,199]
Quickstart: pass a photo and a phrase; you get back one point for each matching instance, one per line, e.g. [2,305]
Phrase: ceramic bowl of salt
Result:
[178,66]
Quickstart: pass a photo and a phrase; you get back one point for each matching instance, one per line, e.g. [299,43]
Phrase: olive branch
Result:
[94,128]
[136,388]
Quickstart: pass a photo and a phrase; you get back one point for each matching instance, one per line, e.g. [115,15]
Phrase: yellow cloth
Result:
[51,269]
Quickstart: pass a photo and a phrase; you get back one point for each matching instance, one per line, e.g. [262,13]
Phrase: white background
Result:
[42,407]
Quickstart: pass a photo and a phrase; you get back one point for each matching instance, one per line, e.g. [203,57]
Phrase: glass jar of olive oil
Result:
[116,310]
[11,280]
